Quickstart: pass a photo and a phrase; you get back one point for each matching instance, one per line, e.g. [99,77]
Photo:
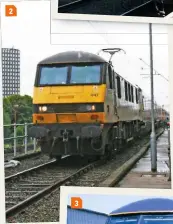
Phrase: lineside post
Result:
[15,140]
[169,154]
[153,134]
[26,137]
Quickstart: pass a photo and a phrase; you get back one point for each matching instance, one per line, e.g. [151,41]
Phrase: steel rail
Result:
[49,188]
[26,156]
[137,7]
[66,7]
[24,172]
[32,199]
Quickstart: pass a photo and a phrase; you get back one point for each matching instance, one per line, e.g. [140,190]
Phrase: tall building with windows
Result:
[10,71]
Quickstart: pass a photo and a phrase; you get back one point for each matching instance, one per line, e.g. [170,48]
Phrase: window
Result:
[129,92]
[137,96]
[81,74]
[123,220]
[142,219]
[132,94]
[53,75]
[110,77]
[85,74]
[119,87]
[126,91]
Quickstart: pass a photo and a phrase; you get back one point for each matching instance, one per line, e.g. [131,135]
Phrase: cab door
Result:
[113,87]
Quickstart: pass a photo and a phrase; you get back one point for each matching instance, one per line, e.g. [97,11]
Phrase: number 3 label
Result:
[10,10]
[76,203]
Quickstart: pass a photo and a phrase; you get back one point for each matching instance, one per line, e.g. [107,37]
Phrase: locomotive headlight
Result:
[83,108]
[93,107]
[90,107]
[44,108]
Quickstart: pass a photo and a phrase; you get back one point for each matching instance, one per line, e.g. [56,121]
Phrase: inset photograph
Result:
[115,208]
[81,115]
[103,8]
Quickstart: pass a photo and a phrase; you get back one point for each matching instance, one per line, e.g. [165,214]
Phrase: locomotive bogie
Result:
[84,139]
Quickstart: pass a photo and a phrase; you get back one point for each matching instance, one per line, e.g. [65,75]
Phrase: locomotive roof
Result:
[73,57]
[153,205]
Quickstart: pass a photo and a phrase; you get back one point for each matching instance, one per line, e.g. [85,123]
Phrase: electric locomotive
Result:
[147,211]
[81,106]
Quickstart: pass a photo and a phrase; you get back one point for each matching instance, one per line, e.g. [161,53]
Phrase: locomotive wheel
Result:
[108,151]
[100,157]
[109,148]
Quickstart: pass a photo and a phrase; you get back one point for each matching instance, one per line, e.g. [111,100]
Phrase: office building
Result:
[10,71]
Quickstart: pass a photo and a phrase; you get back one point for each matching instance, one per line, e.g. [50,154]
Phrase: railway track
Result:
[147,9]
[49,179]
[124,7]
[96,7]
[26,161]
[10,156]
[139,10]
[28,186]
[71,5]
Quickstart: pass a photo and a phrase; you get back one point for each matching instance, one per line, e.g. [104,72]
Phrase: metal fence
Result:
[24,137]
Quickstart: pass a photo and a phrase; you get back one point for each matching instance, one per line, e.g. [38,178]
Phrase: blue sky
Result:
[107,203]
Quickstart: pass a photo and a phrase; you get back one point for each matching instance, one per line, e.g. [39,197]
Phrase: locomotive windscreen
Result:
[142,219]
[70,74]
[123,220]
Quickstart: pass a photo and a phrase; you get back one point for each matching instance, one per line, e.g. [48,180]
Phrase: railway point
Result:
[141,176]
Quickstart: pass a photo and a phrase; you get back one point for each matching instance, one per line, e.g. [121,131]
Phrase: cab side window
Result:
[137,96]
[119,87]
[110,76]
[126,90]
[129,93]
[132,94]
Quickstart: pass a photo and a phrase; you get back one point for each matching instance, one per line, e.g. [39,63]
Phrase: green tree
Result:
[19,108]
[20,132]
[7,116]
[16,108]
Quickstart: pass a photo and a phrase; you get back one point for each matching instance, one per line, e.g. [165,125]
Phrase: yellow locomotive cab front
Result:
[66,104]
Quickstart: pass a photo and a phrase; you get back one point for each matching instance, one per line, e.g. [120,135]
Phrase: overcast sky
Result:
[30,32]
[111,202]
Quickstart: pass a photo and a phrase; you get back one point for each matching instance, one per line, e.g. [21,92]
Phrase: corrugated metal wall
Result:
[82,216]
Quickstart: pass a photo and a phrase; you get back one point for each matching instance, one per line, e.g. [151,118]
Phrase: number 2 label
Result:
[10,10]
